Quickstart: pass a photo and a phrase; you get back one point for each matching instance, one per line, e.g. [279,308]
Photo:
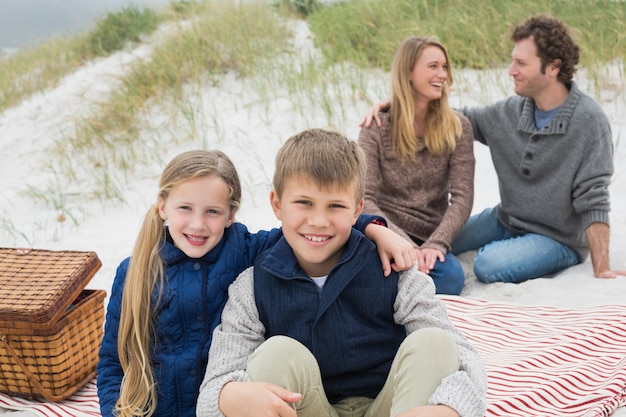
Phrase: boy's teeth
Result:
[316,238]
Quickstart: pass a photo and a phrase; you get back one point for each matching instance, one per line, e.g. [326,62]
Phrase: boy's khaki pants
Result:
[423,360]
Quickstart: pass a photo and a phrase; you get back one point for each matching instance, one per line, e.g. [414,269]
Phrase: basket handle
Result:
[31,377]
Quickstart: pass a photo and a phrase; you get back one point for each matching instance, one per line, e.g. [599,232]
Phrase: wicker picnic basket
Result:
[50,326]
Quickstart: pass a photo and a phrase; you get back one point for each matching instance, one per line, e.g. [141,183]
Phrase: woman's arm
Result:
[461,168]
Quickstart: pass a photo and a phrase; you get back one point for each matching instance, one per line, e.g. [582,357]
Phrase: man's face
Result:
[526,70]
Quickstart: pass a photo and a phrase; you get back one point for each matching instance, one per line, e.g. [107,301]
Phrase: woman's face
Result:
[429,74]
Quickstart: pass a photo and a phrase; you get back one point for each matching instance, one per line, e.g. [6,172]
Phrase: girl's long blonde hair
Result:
[146,275]
[443,126]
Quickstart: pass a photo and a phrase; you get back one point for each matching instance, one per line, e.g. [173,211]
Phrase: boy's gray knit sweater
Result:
[416,307]
[553,181]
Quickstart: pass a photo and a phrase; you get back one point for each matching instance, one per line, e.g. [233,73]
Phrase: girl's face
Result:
[197,212]
[429,74]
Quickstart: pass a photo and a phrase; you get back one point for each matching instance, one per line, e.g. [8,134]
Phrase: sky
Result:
[28,22]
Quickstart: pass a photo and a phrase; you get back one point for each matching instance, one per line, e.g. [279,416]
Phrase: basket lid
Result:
[37,286]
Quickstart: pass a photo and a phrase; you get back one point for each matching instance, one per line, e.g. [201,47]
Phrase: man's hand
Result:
[611,274]
[257,399]
[372,114]
[598,238]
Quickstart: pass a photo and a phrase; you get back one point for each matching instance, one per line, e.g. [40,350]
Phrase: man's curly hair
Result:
[553,42]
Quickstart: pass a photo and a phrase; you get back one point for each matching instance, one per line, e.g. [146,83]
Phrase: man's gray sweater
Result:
[553,181]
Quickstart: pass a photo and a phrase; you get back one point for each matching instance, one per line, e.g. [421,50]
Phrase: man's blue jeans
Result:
[504,256]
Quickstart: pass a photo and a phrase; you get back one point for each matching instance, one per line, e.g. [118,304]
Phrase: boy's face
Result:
[316,222]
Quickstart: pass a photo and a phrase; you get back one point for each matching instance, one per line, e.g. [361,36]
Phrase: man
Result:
[552,149]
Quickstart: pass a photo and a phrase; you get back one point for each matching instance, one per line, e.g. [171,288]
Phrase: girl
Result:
[420,161]
[168,297]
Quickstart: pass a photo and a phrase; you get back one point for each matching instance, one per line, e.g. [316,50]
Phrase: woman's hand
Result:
[427,258]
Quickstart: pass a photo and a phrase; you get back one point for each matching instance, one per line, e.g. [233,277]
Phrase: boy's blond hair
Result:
[326,157]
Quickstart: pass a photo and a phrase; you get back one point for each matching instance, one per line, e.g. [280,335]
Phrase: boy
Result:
[313,329]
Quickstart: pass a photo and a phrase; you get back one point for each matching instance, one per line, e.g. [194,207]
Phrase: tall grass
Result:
[367,32]
[200,42]
[36,69]
[42,66]
[116,29]
[221,36]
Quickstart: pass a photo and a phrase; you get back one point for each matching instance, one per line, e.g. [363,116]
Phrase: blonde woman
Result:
[168,297]
[420,161]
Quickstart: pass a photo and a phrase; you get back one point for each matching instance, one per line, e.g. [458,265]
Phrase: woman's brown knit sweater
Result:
[428,199]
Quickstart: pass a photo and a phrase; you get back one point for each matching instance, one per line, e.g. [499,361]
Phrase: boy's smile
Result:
[316,221]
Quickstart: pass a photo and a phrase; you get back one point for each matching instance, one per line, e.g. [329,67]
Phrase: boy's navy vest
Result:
[348,325]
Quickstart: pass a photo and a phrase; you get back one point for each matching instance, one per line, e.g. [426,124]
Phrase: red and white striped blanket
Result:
[545,361]
[541,361]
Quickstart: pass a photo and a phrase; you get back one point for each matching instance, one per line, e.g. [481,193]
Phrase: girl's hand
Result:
[257,399]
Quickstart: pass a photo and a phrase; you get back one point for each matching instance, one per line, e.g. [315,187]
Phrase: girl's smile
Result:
[197,212]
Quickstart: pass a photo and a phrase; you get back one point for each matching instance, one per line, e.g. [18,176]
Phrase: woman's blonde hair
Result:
[144,280]
[442,124]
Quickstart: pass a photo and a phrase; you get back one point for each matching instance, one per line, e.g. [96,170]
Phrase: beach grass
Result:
[228,37]
[367,32]
[198,42]
[42,66]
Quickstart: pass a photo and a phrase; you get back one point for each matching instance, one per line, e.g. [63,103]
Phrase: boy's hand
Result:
[430,411]
[391,247]
[256,399]
[372,114]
